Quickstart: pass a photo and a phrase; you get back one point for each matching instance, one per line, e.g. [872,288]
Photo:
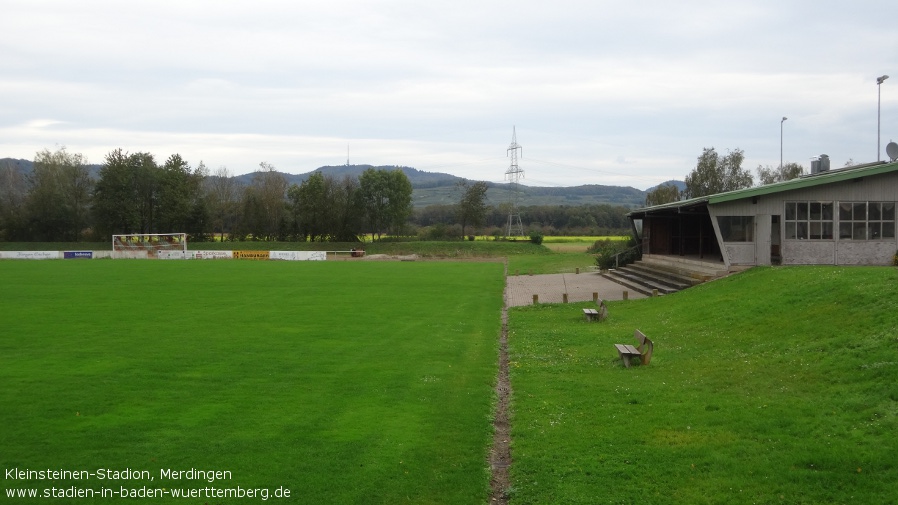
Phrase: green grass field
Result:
[342,382]
[372,382]
[778,385]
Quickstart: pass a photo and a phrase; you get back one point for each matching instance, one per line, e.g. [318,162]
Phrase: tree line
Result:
[134,193]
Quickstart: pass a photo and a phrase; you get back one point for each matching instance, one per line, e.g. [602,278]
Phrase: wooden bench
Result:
[643,351]
[596,315]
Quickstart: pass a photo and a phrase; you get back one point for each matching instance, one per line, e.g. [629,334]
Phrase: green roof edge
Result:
[806,181]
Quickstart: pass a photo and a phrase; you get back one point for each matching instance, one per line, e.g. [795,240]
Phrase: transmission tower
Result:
[514,174]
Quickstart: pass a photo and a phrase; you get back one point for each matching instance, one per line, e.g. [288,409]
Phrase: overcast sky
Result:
[600,92]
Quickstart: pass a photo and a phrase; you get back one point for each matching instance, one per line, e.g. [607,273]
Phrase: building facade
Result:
[835,217]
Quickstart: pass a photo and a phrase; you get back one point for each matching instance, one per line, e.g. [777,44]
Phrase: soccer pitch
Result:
[303,382]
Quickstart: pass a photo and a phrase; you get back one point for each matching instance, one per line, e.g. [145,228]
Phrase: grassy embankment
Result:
[778,385]
[342,382]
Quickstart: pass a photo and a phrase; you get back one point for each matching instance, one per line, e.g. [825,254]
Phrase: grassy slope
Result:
[344,382]
[772,386]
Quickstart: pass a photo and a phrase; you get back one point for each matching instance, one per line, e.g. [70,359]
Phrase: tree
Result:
[265,206]
[310,203]
[665,193]
[145,183]
[176,189]
[787,172]
[221,197]
[387,199]
[13,190]
[57,203]
[114,199]
[326,209]
[713,174]
[472,206]
[135,195]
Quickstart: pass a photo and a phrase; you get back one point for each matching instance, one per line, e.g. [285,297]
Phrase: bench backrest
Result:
[645,346]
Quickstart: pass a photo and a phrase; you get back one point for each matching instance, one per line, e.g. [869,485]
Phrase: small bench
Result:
[643,351]
[596,315]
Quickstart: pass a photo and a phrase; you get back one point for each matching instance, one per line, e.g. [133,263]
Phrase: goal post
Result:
[150,245]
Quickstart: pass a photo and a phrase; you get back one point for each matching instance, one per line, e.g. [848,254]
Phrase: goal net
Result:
[150,245]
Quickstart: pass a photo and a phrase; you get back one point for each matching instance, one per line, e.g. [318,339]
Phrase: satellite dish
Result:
[892,151]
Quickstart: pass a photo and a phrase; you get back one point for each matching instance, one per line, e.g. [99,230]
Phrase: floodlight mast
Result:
[514,174]
[879,81]
[781,142]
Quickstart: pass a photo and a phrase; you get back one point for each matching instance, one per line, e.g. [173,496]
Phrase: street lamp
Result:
[879,81]
[781,142]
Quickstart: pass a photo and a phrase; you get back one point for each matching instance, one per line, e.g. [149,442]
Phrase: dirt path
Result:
[500,454]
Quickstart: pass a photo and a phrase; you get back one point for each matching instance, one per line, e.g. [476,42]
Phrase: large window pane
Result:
[888,230]
[802,211]
[888,211]
[860,211]
[844,212]
[736,228]
[815,230]
[859,231]
[874,210]
[790,211]
[815,211]
[790,231]
[874,231]
[845,231]
[827,231]
[827,211]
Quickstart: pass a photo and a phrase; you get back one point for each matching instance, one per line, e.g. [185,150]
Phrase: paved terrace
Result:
[551,288]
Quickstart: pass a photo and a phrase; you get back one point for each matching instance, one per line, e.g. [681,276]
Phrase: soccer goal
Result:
[150,245]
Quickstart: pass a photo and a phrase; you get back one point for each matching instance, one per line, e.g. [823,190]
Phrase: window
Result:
[866,220]
[809,220]
[736,228]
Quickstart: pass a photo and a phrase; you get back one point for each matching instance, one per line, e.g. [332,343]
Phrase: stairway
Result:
[667,274]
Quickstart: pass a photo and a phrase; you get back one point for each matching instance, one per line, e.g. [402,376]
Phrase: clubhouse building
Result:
[832,217]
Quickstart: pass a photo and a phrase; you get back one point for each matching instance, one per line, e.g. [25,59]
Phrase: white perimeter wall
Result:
[170,255]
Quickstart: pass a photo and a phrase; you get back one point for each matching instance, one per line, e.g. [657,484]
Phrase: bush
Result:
[606,250]
[536,237]
[441,232]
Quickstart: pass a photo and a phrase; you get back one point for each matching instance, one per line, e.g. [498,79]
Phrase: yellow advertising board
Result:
[251,255]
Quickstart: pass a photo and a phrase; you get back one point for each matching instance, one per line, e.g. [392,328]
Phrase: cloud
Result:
[440,84]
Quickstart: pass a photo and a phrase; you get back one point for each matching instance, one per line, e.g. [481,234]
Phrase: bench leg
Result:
[626,359]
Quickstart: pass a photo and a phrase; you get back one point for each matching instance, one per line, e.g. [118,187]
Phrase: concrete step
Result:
[627,283]
[639,283]
[697,269]
[666,276]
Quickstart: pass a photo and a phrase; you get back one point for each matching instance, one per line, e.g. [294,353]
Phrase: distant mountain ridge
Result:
[436,188]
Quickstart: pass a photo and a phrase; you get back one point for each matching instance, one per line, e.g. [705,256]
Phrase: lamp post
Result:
[879,81]
[781,142]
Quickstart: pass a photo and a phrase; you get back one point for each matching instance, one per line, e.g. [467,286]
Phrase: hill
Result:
[436,188]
